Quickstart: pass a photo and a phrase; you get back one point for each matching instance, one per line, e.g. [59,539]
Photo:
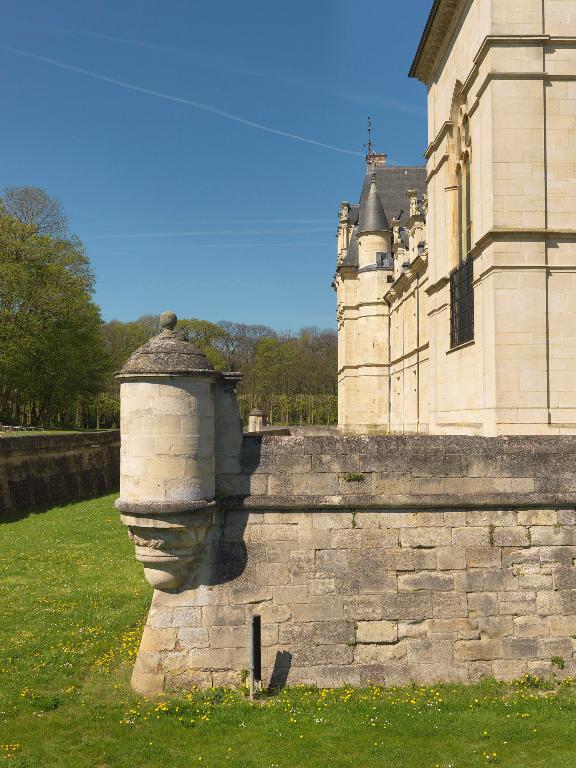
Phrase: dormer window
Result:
[385,260]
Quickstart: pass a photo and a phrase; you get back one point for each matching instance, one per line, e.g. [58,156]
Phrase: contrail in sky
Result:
[207,221]
[202,246]
[230,64]
[179,100]
[209,232]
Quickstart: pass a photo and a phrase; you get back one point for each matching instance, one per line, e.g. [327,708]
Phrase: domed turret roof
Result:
[167,353]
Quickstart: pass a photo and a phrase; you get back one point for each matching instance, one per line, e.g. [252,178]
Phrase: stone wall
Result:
[42,470]
[452,559]
[402,471]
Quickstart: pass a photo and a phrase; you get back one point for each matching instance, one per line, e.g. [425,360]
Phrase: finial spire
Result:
[369,146]
[373,159]
[168,321]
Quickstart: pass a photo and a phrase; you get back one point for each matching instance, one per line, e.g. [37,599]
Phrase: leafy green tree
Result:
[122,339]
[51,347]
[274,367]
[208,337]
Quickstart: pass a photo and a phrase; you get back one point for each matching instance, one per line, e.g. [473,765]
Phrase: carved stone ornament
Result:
[167,540]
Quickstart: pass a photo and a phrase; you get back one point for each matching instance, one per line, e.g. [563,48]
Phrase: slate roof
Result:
[372,215]
[351,259]
[392,183]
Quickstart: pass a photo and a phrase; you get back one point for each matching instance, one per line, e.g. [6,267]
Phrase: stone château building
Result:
[394,559]
[456,283]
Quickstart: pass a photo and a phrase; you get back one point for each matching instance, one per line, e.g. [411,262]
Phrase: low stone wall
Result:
[43,470]
[452,559]
[402,471]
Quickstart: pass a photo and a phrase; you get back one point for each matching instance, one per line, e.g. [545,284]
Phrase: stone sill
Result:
[461,346]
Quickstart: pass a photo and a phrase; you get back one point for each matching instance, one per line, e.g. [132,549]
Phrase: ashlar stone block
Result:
[377,632]
[426,581]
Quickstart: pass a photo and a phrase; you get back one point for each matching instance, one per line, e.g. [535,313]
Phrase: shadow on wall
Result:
[281,670]
[39,472]
[227,554]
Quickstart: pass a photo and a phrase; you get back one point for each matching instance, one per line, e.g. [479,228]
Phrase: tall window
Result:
[462,304]
[461,279]
[461,251]
[467,207]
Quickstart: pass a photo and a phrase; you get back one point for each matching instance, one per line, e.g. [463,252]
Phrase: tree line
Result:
[58,358]
[291,376]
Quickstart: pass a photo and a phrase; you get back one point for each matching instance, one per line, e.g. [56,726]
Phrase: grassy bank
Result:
[72,602]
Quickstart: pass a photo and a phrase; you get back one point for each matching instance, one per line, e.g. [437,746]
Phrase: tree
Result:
[274,367]
[292,376]
[240,341]
[122,339]
[207,336]
[35,207]
[51,345]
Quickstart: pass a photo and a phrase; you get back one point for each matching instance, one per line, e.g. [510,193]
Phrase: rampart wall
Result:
[379,559]
[43,470]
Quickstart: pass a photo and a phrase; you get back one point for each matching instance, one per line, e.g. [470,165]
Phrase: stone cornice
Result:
[499,235]
[438,285]
[443,18]
[406,279]
[511,234]
[489,42]
[440,136]
[347,272]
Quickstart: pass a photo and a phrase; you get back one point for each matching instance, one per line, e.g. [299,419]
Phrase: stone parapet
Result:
[402,471]
[44,470]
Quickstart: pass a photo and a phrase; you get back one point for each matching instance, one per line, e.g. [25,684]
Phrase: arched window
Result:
[460,204]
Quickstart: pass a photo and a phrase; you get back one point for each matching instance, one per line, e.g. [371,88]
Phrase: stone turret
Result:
[168,394]
[256,420]
[375,266]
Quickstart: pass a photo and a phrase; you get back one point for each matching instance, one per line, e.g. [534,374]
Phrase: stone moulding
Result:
[442,21]
[145,508]
[167,537]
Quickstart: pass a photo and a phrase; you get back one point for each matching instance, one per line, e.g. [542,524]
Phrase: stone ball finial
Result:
[168,321]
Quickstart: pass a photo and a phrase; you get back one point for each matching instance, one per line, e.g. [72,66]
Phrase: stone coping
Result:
[175,374]
[402,471]
[502,501]
[342,443]
[65,441]
[151,507]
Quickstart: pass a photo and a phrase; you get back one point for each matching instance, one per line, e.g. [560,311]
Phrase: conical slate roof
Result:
[167,353]
[351,258]
[372,216]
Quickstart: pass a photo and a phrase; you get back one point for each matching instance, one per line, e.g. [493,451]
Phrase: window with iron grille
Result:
[461,304]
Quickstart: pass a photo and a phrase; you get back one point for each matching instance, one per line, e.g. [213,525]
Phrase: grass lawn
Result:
[72,603]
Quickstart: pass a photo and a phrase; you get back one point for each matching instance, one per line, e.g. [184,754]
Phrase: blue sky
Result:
[127,112]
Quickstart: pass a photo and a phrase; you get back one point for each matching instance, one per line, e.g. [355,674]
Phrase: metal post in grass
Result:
[255,654]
